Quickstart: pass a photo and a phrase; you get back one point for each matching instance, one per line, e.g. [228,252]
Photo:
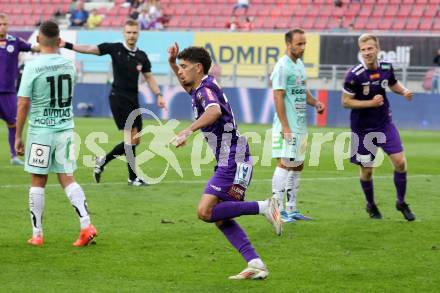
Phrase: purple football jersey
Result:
[222,136]
[9,50]
[364,84]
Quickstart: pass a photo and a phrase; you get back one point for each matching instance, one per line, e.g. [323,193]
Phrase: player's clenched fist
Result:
[377,101]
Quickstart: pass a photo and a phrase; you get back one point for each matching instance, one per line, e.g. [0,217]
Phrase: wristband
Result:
[68,46]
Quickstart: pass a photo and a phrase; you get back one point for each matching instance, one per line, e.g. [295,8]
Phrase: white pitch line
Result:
[255,181]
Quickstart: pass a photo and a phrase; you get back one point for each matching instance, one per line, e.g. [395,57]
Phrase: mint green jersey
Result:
[291,77]
[48,81]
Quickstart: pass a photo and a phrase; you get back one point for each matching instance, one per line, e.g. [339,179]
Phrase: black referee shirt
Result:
[126,66]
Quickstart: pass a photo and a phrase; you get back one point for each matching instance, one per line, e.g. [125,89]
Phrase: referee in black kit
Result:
[128,61]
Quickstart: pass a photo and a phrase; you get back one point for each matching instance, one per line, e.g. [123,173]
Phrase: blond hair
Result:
[366,37]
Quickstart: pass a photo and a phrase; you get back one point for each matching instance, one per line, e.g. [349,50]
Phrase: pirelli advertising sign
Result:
[401,50]
[254,53]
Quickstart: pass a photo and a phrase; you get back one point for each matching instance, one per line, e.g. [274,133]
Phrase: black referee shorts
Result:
[121,105]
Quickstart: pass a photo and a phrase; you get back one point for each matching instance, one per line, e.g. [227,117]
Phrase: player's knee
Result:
[400,165]
[366,174]
[204,214]
[135,141]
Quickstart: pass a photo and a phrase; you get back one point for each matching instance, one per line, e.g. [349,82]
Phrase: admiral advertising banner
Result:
[253,51]
[400,50]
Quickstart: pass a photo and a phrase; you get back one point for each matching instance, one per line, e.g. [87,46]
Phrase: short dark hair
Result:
[289,35]
[50,29]
[197,55]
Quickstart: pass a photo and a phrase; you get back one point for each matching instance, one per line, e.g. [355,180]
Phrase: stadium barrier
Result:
[256,106]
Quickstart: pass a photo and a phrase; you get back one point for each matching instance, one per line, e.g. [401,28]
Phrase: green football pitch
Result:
[150,239]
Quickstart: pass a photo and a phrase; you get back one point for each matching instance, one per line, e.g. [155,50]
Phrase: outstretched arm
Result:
[173,51]
[85,49]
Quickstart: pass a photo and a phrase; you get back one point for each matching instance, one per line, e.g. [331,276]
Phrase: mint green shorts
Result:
[50,152]
[294,149]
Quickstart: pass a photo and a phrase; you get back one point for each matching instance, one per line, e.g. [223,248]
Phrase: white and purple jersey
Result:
[10,47]
[364,84]
[222,136]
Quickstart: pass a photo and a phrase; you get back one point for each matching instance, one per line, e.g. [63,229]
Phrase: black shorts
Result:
[121,105]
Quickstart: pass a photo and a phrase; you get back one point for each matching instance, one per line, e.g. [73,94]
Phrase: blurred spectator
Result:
[338,3]
[144,19]
[94,19]
[340,25]
[72,6]
[436,74]
[437,58]
[241,4]
[79,16]
[155,13]
[232,24]
[248,24]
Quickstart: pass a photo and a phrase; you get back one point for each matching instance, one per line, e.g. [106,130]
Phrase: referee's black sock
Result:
[118,150]
[132,171]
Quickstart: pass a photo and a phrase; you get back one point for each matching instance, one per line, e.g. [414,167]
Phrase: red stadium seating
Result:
[268,14]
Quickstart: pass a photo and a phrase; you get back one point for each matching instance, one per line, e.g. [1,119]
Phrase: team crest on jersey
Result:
[10,48]
[384,83]
[366,88]
[139,67]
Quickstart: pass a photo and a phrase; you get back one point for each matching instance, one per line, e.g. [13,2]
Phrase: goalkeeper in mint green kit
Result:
[289,130]
[46,90]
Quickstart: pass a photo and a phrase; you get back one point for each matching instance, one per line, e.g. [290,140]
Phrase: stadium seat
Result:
[321,23]
[404,10]
[373,22]
[431,10]
[308,22]
[378,10]
[412,23]
[392,10]
[436,26]
[326,10]
[399,23]
[417,10]
[360,23]
[366,10]
[353,9]
[425,24]
[282,23]
[386,23]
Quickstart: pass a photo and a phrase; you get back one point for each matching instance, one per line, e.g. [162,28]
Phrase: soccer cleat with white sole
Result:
[251,273]
[273,215]
[137,182]
[97,171]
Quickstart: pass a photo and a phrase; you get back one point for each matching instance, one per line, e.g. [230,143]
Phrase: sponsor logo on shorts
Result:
[215,187]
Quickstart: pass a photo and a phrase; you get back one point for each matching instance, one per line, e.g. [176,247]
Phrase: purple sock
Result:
[11,138]
[231,209]
[400,183]
[238,238]
[367,187]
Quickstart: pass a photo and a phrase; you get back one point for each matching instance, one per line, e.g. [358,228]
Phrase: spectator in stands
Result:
[144,19]
[232,24]
[241,4]
[340,25]
[72,7]
[436,75]
[79,16]
[338,3]
[248,24]
[94,19]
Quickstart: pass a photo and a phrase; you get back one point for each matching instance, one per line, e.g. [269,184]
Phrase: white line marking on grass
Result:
[255,181]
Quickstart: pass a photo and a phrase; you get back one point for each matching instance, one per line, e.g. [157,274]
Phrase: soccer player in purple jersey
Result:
[10,48]
[371,123]
[223,198]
